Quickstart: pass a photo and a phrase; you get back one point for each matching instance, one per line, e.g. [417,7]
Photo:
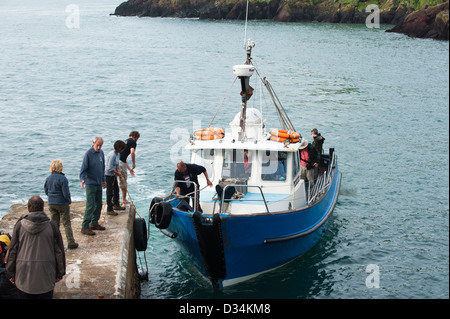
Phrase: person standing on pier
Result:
[92,176]
[57,189]
[130,150]
[36,258]
[112,171]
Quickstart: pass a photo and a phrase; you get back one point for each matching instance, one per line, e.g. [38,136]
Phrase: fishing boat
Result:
[261,213]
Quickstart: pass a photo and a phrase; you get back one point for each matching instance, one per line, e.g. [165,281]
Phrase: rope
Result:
[187,195]
[181,196]
[129,196]
[282,115]
[145,275]
[217,112]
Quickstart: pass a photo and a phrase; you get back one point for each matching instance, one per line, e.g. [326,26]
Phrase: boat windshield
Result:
[237,164]
[273,166]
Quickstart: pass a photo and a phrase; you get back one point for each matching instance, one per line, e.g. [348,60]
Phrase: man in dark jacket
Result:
[92,176]
[318,140]
[189,173]
[36,258]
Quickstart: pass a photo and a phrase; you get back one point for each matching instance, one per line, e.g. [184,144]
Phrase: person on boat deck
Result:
[318,144]
[247,163]
[189,173]
[309,159]
[318,140]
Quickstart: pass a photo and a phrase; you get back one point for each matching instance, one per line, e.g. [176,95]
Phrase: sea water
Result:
[71,71]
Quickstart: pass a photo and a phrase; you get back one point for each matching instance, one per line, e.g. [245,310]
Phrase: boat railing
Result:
[194,193]
[323,181]
[243,200]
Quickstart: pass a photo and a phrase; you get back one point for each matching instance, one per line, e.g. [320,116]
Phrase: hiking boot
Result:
[118,207]
[97,227]
[87,231]
[74,245]
[111,213]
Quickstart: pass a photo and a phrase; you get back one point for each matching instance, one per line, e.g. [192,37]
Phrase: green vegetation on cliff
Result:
[428,17]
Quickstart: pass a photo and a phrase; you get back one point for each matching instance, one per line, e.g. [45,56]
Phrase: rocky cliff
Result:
[432,21]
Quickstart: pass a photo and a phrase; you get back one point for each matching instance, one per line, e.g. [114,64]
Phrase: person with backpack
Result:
[36,258]
[7,289]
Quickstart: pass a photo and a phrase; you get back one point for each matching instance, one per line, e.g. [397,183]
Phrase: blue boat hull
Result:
[248,245]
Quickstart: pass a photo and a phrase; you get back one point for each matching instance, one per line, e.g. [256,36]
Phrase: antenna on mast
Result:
[245,30]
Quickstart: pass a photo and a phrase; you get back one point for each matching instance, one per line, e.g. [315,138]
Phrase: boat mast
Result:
[246,91]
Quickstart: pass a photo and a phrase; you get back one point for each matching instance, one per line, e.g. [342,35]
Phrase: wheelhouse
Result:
[266,177]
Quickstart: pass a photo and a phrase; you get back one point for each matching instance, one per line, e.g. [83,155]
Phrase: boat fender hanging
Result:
[140,234]
[163,215]
[152,209]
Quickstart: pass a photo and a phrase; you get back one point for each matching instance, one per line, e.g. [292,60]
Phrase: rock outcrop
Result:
[430,22]
[284,11]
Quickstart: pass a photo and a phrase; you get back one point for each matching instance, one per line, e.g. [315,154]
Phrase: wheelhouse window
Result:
[296,168]
[205,157]
[274,166]
[237,164]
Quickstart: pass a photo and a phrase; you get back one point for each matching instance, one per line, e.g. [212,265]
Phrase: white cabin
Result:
[266,173]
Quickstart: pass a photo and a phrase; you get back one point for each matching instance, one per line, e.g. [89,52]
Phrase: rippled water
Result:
[381,99]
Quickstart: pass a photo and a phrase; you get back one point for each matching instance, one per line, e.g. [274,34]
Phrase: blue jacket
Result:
[92,170]
[112,163]
[57,189]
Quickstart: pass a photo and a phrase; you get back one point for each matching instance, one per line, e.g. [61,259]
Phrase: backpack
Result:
[3,249]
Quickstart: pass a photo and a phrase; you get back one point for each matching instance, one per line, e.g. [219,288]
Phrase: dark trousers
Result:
[93,206]
[46,295]
[112,192]
[7,289]
[62,213]
[194,198]
[229,192]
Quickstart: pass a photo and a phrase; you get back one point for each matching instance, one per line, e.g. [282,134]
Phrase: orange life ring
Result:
[211,137]
[285,134]
[210,133]
[282,139]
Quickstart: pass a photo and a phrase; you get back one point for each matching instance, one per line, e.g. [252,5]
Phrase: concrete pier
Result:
[104,265]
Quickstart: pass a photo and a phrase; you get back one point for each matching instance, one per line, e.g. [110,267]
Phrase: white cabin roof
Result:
[229,143]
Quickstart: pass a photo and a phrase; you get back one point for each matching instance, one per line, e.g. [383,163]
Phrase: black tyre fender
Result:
[152,209]
[140,234]
[163,215]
